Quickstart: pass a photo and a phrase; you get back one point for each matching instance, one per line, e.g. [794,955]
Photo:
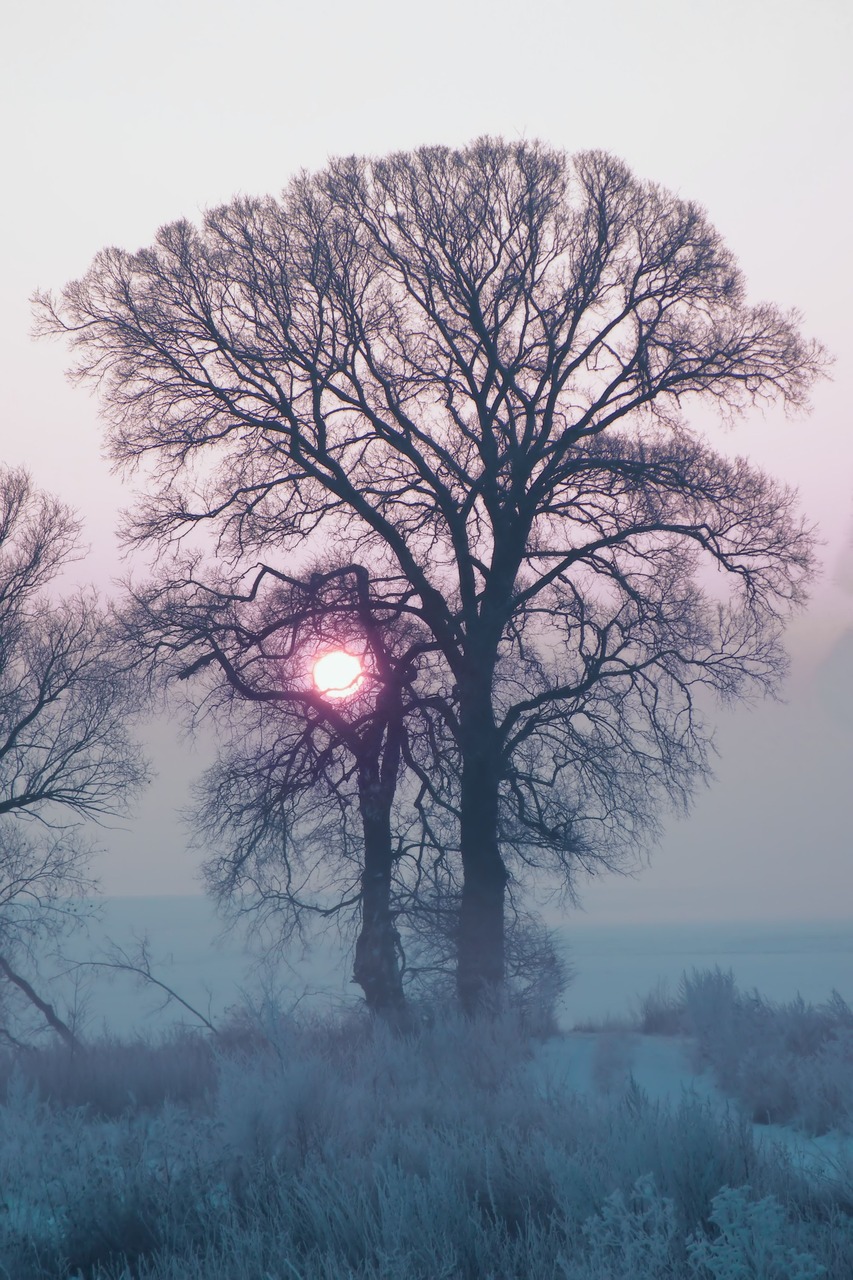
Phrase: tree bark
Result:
[481,953]
[377,958]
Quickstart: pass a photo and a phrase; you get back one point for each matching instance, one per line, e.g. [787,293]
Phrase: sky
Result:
[118,118]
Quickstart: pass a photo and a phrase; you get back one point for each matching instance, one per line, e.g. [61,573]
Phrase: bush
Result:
[753,1241]
[660,1014]
[787,1063]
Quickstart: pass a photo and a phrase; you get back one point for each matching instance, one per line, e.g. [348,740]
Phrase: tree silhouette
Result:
[65,754]
[469,369]
[278,803]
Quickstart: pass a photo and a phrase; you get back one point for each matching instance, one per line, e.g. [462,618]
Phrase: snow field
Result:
[310,1148]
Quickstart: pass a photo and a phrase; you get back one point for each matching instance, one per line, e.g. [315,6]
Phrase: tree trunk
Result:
[377,964]
[480,956]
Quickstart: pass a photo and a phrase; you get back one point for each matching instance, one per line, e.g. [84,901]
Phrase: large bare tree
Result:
[469,369]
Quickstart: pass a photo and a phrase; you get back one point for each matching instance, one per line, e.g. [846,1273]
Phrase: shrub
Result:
[753,1242]
[787,1063]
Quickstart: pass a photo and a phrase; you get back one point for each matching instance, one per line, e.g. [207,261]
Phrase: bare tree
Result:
[468,369]
[278,803]
[275,812]
[65,754]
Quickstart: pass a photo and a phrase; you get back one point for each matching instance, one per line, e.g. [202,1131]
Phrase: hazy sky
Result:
[117,118]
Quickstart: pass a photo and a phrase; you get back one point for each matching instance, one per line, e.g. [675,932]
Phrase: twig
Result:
[144,971]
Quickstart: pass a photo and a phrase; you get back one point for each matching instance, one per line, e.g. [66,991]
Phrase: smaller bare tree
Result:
[65,754]
[297,813]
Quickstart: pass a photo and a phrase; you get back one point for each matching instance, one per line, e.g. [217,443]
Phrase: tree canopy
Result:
[470,370]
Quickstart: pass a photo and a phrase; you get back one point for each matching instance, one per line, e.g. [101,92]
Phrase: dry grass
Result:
[327,1150]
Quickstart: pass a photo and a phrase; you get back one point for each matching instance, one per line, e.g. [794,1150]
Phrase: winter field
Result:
[675,1124]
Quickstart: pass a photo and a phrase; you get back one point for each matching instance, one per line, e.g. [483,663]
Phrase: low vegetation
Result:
[788,1063]
[293,1148]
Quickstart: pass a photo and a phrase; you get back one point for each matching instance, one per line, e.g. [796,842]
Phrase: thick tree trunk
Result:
[480,956]
[377,963]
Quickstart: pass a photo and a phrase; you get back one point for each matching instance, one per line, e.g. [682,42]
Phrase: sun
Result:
[338,674]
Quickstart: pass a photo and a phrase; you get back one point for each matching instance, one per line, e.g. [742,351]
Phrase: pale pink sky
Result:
[118,118]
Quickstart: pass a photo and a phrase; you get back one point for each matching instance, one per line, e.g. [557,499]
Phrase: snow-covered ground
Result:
[619,1150]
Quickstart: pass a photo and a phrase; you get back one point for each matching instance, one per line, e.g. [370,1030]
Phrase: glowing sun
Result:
[337,674]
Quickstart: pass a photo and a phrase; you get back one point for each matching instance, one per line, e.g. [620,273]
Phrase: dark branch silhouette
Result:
[47,1010]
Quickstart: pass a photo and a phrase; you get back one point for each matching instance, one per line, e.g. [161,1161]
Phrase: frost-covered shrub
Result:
[824,1086]
[631,1236]
[688,1149]
[787,1063]
[659,1013]
[753,1242]
[79,1191]
[713,1012]
[637,1236]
